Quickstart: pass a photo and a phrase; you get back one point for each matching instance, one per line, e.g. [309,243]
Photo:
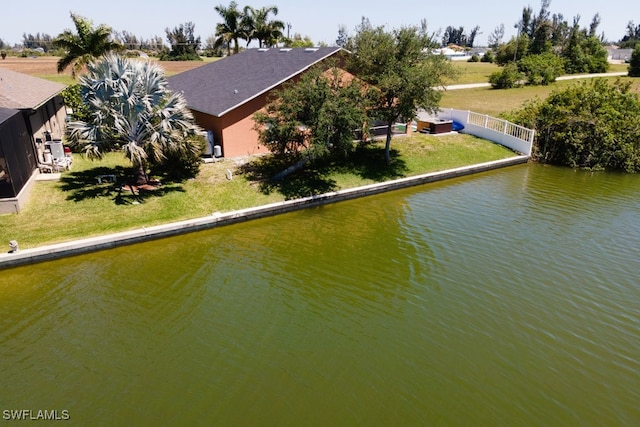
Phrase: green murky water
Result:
[507,298]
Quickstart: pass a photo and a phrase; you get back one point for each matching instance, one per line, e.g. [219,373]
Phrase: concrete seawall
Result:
[77,247]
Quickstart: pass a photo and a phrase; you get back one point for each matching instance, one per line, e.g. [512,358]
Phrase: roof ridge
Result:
[222,86]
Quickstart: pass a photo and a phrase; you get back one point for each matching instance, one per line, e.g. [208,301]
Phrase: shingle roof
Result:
[223,85]
[21,91]
[6,113]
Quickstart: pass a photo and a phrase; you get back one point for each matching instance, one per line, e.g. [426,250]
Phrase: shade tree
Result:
[314,117]
[402,73]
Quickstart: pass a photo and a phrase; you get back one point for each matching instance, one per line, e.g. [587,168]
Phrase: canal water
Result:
[506,298]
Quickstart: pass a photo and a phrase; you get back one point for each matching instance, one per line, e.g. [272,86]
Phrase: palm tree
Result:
[133,108]
[231,29]
[85,46]
[248,24]
[257,26]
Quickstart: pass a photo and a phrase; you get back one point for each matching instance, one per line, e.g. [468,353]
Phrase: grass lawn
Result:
[479,72]
[472,72]
[495,101]
[78,207]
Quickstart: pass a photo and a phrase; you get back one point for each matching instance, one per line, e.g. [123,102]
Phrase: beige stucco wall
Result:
[49,117]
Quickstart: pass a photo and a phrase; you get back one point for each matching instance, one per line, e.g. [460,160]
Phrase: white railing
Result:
[501,131]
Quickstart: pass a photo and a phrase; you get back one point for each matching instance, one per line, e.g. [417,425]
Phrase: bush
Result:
[172,56]
[488,57]
[179,165]
[72,99]
[541,69]
[30,53]
[634,64]
[592,125]
[508,78]
[474,58]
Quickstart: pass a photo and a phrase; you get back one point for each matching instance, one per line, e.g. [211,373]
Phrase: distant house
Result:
[453,54]
[224,95]
[617,55]
[31,112]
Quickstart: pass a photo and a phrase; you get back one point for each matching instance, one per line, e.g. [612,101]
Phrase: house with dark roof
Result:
[31,113]
[224,95]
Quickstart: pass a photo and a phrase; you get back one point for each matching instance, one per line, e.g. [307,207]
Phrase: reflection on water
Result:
[507,298]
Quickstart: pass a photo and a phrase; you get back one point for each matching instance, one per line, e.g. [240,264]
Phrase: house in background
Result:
[617,55]
[31,113]
[224,95]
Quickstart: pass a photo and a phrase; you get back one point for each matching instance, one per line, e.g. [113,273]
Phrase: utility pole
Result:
[515,54]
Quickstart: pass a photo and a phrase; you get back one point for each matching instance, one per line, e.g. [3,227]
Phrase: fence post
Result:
[531,136]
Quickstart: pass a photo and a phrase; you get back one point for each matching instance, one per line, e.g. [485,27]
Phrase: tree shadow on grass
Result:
[367,162]
[112,183]
[310,180]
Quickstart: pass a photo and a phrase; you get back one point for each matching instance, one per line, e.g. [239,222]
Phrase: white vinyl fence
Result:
[501,131]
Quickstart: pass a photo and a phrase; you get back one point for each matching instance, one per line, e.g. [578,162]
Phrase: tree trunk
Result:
[141,175]
[291,169]
[387,145]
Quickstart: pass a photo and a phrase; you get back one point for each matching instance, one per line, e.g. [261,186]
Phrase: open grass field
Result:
[479,72]
[493,102]
[47,67]
[77,206]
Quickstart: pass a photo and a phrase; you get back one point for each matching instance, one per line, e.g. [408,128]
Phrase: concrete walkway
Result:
[77,247]
[567,77]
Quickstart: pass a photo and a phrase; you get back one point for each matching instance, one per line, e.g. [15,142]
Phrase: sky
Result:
[317,19]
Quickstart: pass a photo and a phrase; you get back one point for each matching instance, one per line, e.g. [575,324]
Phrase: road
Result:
[567,77]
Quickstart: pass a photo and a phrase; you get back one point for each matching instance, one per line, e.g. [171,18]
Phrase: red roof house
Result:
[224,95]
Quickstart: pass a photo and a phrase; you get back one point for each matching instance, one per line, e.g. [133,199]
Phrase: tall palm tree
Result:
[230,30]
[248,24]
[258,26]
[85,46]
[132,107]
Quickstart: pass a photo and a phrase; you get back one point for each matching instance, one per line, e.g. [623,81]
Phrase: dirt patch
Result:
[48,65]
[38,66]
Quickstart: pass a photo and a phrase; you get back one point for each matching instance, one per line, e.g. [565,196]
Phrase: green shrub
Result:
[172,56]
[474,58]
[27,53]
[488,57]
[508,78]
[591,125]
[73,100]
[541,69]
[179,165]
[634,64]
